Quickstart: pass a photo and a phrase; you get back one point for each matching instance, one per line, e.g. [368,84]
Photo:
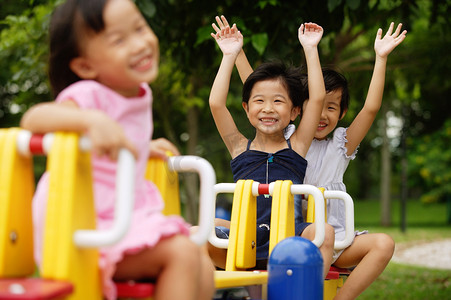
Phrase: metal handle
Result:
[349,213]
[207,176]
[125,199]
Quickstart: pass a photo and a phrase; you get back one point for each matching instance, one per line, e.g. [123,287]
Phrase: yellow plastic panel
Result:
[167,183]
[228,279]
[234,223]
[275,215]
[16,192]
[246,253]
[331,287]
[282,213]
[70,207]
[286,212]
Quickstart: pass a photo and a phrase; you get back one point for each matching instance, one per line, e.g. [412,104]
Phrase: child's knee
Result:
[329,235]
[183,249]
[385,244]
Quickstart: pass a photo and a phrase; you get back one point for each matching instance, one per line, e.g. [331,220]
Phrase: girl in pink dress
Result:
[103,54]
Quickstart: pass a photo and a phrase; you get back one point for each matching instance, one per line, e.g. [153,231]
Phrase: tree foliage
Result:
[418,76]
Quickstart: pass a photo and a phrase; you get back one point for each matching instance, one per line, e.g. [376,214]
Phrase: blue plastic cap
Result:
[295,251]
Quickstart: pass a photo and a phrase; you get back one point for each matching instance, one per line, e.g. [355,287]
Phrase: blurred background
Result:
[401,178]
[405,157]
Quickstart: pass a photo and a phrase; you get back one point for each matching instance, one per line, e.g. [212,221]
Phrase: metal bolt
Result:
[289,272]
[13,236]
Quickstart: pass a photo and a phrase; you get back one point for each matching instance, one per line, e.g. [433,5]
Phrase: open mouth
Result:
[322,126]
[268,120]
[143,64]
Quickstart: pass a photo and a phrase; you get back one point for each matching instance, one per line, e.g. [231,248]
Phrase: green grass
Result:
[412,283]
[424,223]
[367,213]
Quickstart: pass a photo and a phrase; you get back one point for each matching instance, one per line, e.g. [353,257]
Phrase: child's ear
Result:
[295,112]
[82,68]
[343,114]
[246,108]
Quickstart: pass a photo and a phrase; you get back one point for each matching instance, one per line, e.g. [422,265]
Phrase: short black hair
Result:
[334,81]
[289,76]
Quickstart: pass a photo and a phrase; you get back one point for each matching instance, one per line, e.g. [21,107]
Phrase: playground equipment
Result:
[69,254]
[70,269]
[295,270]
[241,250]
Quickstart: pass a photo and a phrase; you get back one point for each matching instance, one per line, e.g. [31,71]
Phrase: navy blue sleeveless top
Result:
[285,164]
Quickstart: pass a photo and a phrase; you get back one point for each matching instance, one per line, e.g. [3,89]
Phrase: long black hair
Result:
[69,22]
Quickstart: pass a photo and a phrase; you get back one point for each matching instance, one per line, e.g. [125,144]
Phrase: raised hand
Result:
[310,34]
[384,46]
[222,23]
[230,40]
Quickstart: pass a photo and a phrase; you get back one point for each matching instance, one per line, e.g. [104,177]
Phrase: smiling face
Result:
[330,115]
[121,56]
[270,108]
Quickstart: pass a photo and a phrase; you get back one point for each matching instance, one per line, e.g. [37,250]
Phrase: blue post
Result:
[295,271]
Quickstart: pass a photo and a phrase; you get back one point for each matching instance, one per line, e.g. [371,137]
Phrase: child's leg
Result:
[370,253]
[177,264]
[218,255]
[327,248]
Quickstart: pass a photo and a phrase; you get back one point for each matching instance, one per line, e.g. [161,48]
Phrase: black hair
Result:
[68,21]
[289,76]
[334,81]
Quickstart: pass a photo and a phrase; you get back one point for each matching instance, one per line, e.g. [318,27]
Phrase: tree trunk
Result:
[385,172]
[191,179]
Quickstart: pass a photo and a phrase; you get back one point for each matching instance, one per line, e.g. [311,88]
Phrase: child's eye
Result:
[331,108]
[117,40]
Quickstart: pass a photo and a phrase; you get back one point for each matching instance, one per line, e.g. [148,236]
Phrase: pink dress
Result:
[148,224]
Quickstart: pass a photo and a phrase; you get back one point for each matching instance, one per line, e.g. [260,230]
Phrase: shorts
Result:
[337,253]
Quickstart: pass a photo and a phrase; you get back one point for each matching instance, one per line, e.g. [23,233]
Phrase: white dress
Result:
[327,163]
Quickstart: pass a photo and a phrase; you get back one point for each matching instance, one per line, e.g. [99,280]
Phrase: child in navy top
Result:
[272,97]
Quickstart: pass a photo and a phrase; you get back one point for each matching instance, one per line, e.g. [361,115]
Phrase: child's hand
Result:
[160,146]
[107,136]
[230,40]
[384,46]
[310,34]
[222,23]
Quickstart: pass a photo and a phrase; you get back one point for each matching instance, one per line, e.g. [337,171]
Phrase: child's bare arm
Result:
[230,41]
[309,36]
[383,46]
[106,135]
[242,63]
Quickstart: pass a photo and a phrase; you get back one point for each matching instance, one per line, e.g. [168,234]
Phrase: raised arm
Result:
[230,41]
[107,136]
[362,123]
[309,36]
[242,63]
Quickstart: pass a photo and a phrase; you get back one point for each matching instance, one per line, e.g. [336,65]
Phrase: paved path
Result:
[435,255]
